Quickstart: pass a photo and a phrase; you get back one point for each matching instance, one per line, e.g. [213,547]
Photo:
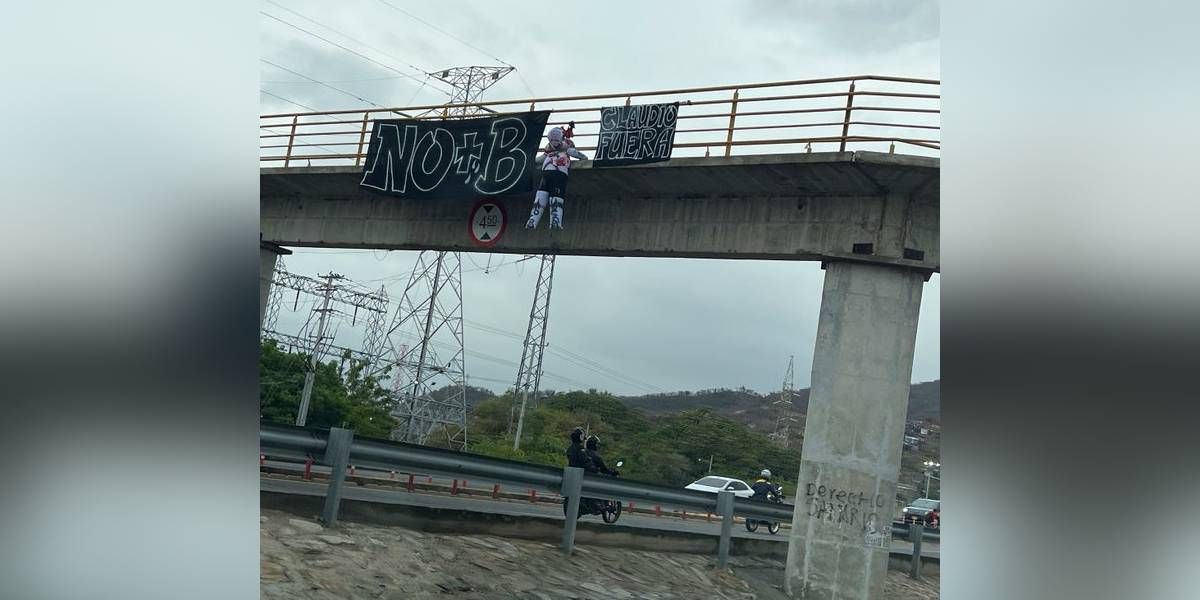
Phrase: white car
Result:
[714,484]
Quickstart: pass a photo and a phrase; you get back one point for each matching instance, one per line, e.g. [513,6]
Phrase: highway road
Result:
[519,508]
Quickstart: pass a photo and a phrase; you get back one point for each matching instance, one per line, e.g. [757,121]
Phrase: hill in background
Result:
[756,410]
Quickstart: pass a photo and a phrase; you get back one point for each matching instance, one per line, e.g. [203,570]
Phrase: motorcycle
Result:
[609,510]
[776,496]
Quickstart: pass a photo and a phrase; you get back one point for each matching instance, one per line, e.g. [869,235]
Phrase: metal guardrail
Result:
[870,112]
[337,449]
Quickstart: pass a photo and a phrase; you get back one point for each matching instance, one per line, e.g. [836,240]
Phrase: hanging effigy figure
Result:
[556,163]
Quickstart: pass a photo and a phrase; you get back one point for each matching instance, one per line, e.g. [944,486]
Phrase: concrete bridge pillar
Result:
[268,254]
[841,529]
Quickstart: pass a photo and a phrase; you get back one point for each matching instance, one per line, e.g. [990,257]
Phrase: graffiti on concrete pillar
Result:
[875,534]
[851,510]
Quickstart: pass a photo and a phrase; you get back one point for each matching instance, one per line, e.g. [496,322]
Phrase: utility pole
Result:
[529,372]
[317,346]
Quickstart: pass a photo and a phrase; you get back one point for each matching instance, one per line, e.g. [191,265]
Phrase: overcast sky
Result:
[667,324]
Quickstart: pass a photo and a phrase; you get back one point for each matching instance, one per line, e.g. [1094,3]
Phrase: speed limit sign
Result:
[487,223]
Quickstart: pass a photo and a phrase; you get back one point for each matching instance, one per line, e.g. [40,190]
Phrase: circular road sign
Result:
[487,223]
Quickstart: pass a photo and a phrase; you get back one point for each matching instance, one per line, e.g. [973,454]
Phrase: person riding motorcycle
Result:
[763,487]
[577,455]
[598,466]
[765,491]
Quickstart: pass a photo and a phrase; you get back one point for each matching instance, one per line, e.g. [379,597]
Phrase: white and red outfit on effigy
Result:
[556,164]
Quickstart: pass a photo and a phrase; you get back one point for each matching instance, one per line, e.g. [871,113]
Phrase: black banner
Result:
[412,158]
[635,134]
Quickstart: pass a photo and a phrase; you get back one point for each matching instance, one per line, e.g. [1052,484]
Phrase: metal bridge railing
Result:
[337,448]
[864,112]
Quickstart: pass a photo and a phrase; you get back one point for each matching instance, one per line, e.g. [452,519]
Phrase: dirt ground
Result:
[300,559]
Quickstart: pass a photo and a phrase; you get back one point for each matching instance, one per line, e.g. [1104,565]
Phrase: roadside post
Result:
[337,456]
[572,486]
[725,509]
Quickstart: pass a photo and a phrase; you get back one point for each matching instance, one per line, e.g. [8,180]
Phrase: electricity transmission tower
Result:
[529,373]
[431,392]
[429,389]
[469,83]
[784,403]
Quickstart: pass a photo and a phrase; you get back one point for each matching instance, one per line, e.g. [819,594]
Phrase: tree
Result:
[355,401]
[671,450]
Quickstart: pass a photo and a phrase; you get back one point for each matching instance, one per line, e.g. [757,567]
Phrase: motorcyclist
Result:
[577,455]
[593,451]
[763,487]
[764,491]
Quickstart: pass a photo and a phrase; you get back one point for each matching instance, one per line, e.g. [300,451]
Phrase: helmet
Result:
[556,134]
[765,473]
[577,434]
[593,442]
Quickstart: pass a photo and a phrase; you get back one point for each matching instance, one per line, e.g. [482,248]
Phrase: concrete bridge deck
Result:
[862,206]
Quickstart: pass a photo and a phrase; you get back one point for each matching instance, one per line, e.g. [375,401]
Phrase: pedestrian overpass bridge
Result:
[864,206]
[840,170]
[759,171]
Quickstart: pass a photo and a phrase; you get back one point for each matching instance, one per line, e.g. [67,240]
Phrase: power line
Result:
[463,42]
[273,95]
[360,80]
[286,100]
[525,83]
[566,355]
[354,52]
[336,89]
[414,96]
[446,33]
[609,373]
[572,358]
[496,359]
[587,361]
[357,41]
[405,275]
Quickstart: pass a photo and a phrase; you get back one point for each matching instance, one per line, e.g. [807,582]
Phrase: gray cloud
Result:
[848,26]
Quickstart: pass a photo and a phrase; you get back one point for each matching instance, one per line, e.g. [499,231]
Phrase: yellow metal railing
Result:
[876,113]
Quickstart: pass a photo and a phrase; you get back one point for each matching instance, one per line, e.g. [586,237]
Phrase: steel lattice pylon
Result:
[274,300]
[529,372]
[469,84]
[373,337]
[784,421]
[437,279]
[429,316]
